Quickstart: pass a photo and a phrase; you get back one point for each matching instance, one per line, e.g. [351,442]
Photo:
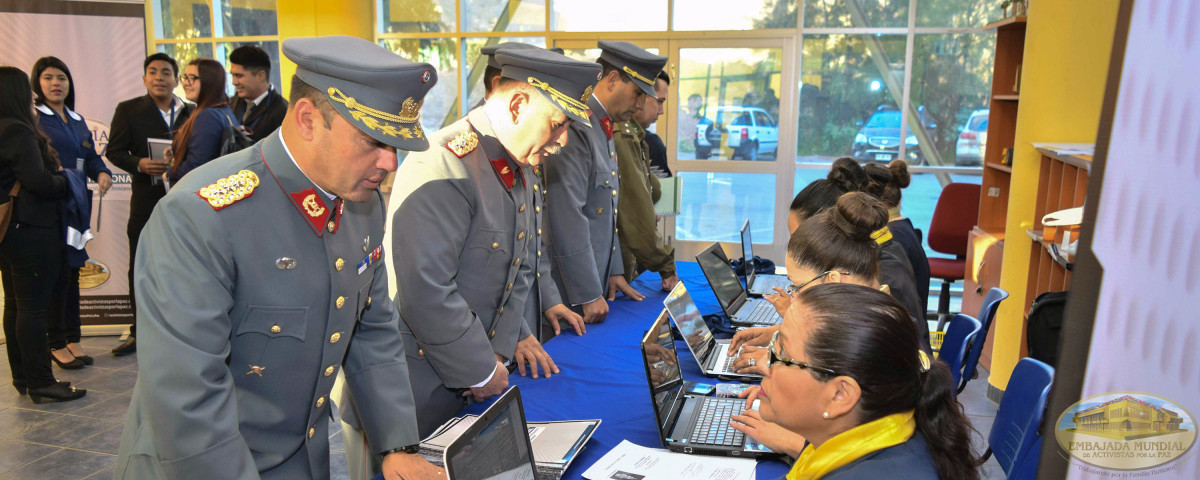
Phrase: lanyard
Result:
[171,123]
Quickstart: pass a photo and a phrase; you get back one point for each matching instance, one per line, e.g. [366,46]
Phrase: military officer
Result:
[642,248]
[492,72]
[582,184]
[264,277]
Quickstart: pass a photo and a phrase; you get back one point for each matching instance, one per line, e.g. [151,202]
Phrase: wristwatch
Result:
[405,449]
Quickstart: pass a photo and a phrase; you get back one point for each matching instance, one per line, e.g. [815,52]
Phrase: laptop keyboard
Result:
[712,423]
[762,314]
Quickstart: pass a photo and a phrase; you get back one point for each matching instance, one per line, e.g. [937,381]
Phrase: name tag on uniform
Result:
[372,257]
[79,164]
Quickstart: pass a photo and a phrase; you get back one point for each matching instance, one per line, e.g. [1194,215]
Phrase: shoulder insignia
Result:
[463,144]
[229,190]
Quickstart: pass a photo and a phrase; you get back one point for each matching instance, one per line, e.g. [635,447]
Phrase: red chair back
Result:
[956,213]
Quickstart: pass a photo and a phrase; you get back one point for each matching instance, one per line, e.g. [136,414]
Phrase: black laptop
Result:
[496,446]
[737,304]
[711,355]
[758,285]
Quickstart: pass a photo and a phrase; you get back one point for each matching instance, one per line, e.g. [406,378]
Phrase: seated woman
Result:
[886,184]
[846,372]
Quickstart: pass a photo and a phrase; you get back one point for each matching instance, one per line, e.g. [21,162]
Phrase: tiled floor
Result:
[79,439]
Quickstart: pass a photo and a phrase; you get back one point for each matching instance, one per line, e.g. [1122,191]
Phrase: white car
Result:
[972,142]
[749,131]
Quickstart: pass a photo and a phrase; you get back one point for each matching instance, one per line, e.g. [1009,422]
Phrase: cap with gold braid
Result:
[565,82]
[634,61]
[490,51]
[374,89]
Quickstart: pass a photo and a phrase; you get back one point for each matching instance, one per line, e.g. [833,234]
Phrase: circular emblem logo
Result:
[93,274]
[1126,431]
[425,76]
[599,75]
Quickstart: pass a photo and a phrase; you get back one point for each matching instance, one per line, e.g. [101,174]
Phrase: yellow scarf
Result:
[853,444]
[882,235]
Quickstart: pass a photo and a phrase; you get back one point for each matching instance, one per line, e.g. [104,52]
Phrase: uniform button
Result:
[535,187]
[339,264]
[509,287]
[276,329]
[516,262]
[311,431]
[421,352]
[341,302]
[614,173]
[616,230]
[539,231]
[539,253]
[495,245]
[614,211]
[539,275]
[611,154]
[521,236]
[329,370]
[321,402]
[332,226]
[492,334]
[501,310]
[606,182]
[599,211]
[537,209]
[614,192]
[614,249]
[522,209]
[368,301]
[335,337]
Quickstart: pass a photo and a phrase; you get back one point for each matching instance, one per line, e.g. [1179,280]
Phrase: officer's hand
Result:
[104,180]
[771,435]
[494,387]
[757,336]
[668,283]
[617,282]
[530,351]
[595,311]
[407,466]
[781,301]
[751,360]
[151,167]
[561,312]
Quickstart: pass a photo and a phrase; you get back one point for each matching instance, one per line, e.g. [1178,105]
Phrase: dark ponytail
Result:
[840,237]
[16,102]
[867,335]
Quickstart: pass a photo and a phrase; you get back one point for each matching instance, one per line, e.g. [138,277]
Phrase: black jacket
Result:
[264,118]
[133,122]
[38,201]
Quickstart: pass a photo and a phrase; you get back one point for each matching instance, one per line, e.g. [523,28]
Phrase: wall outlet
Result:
[993,192]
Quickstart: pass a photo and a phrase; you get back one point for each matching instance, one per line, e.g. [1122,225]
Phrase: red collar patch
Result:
[505,171]
[606,122]
[312,208]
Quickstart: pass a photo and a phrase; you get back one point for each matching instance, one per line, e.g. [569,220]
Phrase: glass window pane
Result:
[856,13]
[611,16]
[504,15]
[952,81]
[416,16]
[441,103]
[176,19]
[745,15]
[850,89]
[476,64]
[183,53]
[720,91]
[272,49]
[591,54]
[957,13]
[244,18]
[715,204]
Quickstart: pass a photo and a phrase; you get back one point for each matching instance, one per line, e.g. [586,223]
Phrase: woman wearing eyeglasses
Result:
[199,140]
[846,372]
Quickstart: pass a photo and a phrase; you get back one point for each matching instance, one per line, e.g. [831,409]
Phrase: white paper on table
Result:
[628,461]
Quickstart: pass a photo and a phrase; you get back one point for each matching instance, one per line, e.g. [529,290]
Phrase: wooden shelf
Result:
[1006,24]
[1007,98]
[1000,167]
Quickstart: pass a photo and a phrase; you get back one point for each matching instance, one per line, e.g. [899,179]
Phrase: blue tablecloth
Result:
[602,375]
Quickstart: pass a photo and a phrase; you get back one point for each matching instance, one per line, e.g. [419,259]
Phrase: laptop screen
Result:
[690,321]
[662,368]
[747,253]
[496,447]
[724,281]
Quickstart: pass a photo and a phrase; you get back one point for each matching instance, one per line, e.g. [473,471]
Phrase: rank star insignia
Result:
[256,370]
[229,190]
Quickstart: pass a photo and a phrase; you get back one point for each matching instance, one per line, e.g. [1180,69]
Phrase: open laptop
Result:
[758,285]
[690,423]
[709,353]
[496,446]
[737,304]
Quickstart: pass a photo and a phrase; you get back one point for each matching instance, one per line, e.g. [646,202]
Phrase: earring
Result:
[825,415]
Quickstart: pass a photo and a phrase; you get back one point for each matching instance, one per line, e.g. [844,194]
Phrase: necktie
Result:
[246,114]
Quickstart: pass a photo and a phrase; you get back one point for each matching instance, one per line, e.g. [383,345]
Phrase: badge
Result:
[229,190]
[256,370]
[371,258]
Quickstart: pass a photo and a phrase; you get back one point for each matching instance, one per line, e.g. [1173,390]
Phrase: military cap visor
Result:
[490,51]
[635,62]
[377,91]
[566,83]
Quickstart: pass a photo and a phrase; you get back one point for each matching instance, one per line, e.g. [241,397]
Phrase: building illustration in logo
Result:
[1127,418]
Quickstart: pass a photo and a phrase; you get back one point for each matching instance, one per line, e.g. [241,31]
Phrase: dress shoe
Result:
[21,386]
[130,346]
[86,359]
[59,392]
[74,364]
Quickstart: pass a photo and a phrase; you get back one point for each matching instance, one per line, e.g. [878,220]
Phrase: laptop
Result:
[737,304]
[710,354]
[496,446]
[690,423]
[758,285]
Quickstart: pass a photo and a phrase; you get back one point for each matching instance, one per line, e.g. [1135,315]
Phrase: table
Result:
[602,374]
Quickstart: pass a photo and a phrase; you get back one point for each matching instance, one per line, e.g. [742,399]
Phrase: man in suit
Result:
[243,333]
[259,107]
[582,184]
[158,114]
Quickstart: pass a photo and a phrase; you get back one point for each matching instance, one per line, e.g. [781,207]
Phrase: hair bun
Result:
[848,175]
[858,215]
[879,178]
[900,176]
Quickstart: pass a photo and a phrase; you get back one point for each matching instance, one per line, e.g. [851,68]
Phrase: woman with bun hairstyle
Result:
[846,372]
[885,184]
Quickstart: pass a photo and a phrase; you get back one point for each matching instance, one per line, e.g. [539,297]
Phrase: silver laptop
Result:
[758,285]
[710,354]
[690,423]
[496,446]
[737,304]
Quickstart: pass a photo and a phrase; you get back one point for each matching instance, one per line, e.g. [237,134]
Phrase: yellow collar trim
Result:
[882,235]
[853,444]
[572,105]
[636,75]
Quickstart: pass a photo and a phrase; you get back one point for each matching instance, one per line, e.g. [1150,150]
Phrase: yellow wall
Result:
[307,18]
[1067,48]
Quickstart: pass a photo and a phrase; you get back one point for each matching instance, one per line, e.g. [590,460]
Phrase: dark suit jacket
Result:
[38,202]
[134,121]
[264,118]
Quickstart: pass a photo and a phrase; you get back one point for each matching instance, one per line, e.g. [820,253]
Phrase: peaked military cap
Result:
[491,50]
[565,82]
[372,88]
[640,65]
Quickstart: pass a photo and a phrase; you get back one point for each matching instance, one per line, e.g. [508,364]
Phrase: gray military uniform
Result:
[240,337]
[581,199]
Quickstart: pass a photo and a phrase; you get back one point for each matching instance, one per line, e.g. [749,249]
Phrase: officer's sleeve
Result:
[184,298]
[637,222]
[567,188]
[516,309]
[547,289]
[429,231]
[377,373]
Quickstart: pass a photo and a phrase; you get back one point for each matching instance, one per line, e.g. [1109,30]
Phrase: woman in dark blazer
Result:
[33,249]
[199,141]
[54,93]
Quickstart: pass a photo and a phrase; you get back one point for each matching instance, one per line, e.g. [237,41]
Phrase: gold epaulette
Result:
[463,144]
[229,190]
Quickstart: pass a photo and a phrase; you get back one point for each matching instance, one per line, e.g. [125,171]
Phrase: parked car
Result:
[702,143]
[879,138]
[972,142]
[748,131]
